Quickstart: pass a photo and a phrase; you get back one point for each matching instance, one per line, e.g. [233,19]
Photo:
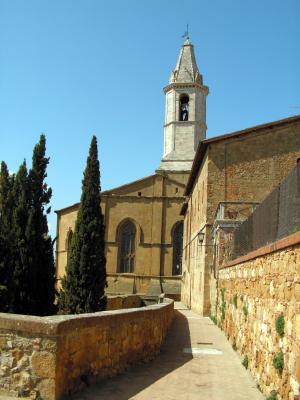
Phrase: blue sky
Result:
[74,68]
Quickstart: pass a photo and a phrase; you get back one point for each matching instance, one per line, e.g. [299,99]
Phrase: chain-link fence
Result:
[278,216]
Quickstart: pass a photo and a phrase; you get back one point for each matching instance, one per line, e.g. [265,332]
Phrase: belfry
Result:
[185,116]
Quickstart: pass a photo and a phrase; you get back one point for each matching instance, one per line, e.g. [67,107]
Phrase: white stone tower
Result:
[185,115]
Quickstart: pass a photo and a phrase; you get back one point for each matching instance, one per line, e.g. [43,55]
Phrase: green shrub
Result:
[245,311]
[278,362]
[258,387]
[223,308]
[214,319]
[234,346]
[245,362]
[223,305]
[273,395]
[223,294]
[235,300]
[279,324]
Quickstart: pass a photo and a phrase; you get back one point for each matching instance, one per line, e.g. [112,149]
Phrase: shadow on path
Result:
[128,384]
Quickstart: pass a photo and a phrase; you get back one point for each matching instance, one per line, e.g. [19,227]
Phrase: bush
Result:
[245,311]
[278,362]
[234,346]
[223,295]
[214,319]
[223,305]
[258,387]
[279,325]
[235,300]
[223,308]
[273,395]
[245,362]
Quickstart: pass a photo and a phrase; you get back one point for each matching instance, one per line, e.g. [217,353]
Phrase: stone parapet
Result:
[49,357]
[126,283]
[120,302]
[255,295]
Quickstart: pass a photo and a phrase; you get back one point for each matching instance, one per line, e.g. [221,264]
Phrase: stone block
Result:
[48,345]
[17,353]
[2,343]
[23,362]
[297,292]
[43,364]
[295,385]
[298,368]
[46,388]
[297,327]
[7,360]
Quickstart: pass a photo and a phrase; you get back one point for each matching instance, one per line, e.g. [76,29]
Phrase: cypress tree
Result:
[83,287]
[22,295]
[42,271]
[6,260]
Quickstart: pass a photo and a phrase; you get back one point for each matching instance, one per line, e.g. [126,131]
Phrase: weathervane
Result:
[186,33]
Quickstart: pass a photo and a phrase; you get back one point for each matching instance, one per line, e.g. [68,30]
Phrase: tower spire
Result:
[186,70]
[185,118]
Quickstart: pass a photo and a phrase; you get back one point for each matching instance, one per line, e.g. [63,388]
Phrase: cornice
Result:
[183,123]
[142,198]
[186,85]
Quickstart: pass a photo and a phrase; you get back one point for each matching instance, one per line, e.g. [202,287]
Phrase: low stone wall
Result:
[123,301]
[54,356]
[252,293]
[125,283]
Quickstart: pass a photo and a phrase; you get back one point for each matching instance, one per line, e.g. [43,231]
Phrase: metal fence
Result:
[235,210]
[278,216]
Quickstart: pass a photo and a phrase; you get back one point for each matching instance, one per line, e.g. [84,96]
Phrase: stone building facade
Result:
[231,174]
[144,228]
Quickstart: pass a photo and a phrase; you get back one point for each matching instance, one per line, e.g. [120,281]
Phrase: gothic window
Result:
[126,244]
[184,108]
[177,239]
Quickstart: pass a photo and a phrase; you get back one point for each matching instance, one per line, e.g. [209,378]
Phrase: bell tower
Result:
[185,114]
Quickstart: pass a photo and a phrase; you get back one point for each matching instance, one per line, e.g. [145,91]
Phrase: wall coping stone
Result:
[61,324]
[280,244]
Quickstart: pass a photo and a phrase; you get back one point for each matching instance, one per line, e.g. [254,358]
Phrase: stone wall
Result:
[54,356]
[123,302]
[254,292]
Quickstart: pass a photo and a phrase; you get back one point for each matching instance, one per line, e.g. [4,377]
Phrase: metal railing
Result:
[276,217]
[235,210]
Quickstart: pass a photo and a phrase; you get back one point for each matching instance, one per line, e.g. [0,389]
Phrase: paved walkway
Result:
[176,375]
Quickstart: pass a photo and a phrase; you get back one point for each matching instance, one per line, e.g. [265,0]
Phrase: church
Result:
[154,225]
[144,229]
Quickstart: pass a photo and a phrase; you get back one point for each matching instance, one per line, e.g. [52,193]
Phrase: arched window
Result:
[177,239]
[184,107]
[126,244]
[69,242]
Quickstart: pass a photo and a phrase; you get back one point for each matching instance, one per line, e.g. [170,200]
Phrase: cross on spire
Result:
[186,33]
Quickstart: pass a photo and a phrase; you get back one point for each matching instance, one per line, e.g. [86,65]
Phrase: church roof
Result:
[110,191]
[244,132]
[129,184]
[186,70]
